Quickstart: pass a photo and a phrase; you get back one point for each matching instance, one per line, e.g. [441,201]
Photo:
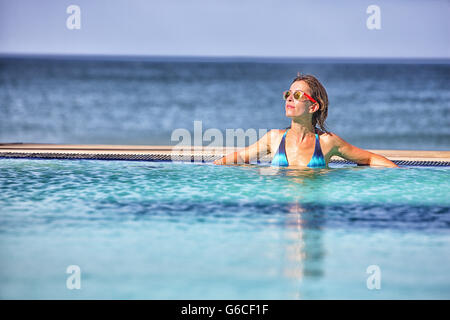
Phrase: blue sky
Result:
[263,28]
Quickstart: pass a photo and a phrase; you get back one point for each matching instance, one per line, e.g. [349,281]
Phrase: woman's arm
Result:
[257,150]
[347,151]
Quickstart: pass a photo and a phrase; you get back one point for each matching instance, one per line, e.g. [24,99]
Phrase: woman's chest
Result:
[300,154]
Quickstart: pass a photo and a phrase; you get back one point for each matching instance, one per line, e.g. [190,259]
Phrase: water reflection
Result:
[303,227]
[305,249]
[301,172]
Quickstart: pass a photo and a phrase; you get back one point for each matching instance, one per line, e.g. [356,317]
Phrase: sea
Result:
[374,104]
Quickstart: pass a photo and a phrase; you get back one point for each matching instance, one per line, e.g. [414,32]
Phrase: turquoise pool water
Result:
[161,230]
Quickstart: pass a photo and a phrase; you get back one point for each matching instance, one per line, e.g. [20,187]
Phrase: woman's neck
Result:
[301,129]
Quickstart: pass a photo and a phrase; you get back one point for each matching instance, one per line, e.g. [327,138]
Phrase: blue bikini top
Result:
[317,159]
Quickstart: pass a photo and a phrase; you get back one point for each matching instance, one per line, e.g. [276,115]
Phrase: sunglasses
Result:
[297,94]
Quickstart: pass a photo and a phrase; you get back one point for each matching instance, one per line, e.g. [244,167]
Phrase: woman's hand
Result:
[232,158]
[377,160]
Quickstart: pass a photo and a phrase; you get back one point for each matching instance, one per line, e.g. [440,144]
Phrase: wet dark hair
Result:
[319,94]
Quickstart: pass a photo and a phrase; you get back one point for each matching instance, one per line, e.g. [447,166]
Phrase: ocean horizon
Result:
[235,58]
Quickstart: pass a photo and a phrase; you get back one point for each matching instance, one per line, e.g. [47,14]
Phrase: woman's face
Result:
[297,108]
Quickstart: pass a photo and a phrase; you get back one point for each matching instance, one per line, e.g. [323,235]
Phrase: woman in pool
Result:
[303,144]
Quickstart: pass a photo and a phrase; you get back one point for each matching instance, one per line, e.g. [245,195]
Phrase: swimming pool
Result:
[164,230]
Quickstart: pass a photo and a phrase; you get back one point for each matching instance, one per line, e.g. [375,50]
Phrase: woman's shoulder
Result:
[274,137]
[327,137]
[276,132]
[324,134]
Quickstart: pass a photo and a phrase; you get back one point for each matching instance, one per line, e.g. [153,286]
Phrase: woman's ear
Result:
[314,107]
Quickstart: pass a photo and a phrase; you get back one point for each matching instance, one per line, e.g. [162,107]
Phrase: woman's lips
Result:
[290,107]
